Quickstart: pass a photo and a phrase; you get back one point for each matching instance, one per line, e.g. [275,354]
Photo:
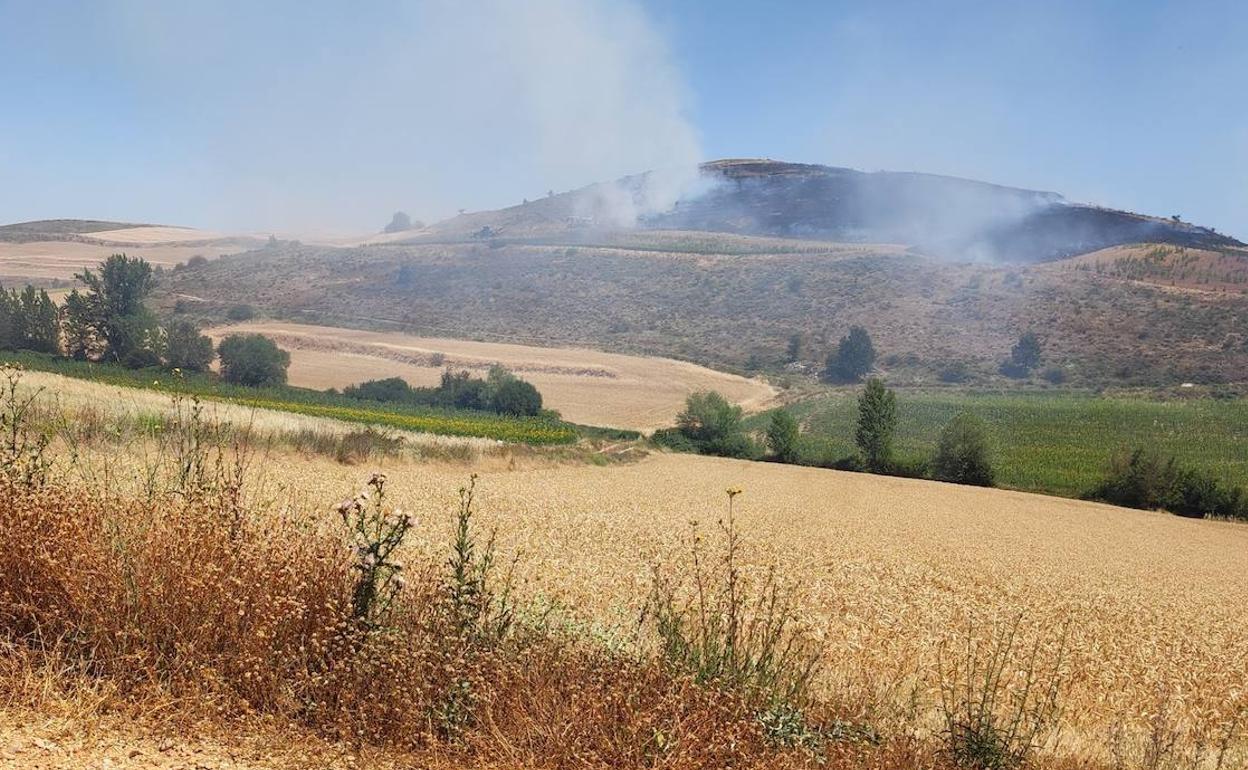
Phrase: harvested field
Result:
[585,386]
[154,234]
[47,262]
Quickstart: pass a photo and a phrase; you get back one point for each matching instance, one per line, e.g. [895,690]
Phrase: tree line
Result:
[710,424]
[855,355]
[108,321]
[500,392]
[1140,478]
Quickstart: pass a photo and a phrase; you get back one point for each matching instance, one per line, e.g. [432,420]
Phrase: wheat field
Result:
[585,386]
[887,571]
[888,574]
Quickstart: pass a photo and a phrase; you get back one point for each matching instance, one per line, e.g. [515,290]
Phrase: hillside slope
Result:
[719,304]
[958,219]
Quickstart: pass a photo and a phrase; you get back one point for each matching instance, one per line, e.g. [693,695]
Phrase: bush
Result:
[955,373]
[186,348]
[854,357]
[877,418]
[1055,375]
[1145,480]
[240,313]
[252,359]
[962,453]
[1024,356]
[713,425]
[511,395]
[782,435]
[388,390]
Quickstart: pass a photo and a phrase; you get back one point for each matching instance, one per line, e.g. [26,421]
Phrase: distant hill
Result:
[57,229]
[958,219]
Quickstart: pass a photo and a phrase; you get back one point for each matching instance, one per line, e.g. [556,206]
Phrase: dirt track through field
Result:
[585,386]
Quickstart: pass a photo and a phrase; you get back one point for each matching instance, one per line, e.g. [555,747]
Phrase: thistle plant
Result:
[23,451]
[478,609]
[375,535]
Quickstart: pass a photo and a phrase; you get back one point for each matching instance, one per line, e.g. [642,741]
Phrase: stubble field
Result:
[585,386]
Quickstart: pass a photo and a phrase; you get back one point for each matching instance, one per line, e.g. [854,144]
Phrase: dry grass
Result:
[585,386]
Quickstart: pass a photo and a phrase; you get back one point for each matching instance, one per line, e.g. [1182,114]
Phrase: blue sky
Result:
[286,115]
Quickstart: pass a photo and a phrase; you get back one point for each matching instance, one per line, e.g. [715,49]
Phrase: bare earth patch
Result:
[585,386]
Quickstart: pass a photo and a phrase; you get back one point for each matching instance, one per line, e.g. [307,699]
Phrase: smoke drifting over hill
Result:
[428,107]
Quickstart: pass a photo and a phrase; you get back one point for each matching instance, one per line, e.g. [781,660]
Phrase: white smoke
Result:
[427,107]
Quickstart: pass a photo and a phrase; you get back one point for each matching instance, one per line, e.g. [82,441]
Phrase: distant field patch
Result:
[1055,443]
[47,262]
[585,386]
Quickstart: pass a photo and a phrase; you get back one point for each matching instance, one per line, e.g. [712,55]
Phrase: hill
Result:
[954,218]
[734,302]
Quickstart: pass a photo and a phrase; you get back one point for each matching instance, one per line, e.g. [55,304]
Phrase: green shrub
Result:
[252,359]
[962,453]
[954,373]
[782,435]
[1142,479]
[853,358]
[713,425]
[511,395]
[186,348]
[388,389]
[877,419]
[1024,356]
[240,313]
[674,439]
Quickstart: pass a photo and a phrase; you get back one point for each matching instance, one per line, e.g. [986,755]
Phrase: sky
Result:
[289,116]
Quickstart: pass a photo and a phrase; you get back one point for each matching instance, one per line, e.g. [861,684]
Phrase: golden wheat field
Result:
[585,386]
[890,575]
[887,573]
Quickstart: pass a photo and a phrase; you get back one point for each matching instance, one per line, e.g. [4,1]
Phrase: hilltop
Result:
[953,218]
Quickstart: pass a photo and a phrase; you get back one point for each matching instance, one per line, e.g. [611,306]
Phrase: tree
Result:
[82,339]
[782,434]
[962,453]
[186,348]
[853,358]
[29,320]
[794,350]
[514,396]
[460,390]
[252,359]
[399,222]
[713,425]
[389,389]
[112,311]
[1024,356]
[877,418]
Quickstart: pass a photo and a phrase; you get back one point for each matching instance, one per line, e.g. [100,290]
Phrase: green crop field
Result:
[1055,443]
[525,430]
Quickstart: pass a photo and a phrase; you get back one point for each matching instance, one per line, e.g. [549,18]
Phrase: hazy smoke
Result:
[427,107]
